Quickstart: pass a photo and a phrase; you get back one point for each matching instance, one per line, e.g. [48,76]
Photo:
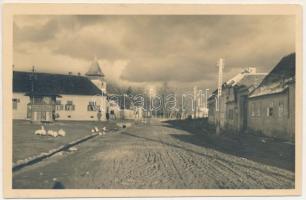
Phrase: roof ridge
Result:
[49,73]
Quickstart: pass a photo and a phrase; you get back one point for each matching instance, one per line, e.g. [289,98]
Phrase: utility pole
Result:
[206,101]
[221,67]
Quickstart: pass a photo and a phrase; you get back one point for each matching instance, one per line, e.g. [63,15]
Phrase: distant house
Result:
[230,111]
[271,108]
[46,96]
[198,104]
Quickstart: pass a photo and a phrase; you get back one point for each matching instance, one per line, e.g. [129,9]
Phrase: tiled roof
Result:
[271,89]
[276,81]
[251,80]
[283,70]
[53,84]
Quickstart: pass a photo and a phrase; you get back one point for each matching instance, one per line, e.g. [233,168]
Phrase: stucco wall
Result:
[222,110]
[236,112]
[81,104]
[21,111]
[80,112]
[276,125]
[231,121]
[215,116]
[291,121]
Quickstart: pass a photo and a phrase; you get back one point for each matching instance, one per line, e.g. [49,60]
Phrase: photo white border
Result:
[146,193]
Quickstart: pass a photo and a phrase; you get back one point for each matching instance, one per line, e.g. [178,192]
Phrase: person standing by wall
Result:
[99,115]
[107,116]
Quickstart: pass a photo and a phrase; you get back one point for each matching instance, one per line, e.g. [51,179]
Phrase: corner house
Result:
[44,97]
[271,108]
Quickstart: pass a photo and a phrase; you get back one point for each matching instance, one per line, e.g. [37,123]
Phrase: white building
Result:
[46,97]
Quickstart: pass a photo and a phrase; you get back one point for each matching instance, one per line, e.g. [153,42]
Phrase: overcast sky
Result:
[140,50]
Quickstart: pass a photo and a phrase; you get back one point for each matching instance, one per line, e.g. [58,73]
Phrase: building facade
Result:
[212,108]
[44,97]
[236,101]
[230,111]
[271,109]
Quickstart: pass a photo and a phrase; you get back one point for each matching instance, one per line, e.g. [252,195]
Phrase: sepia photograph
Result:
[126,100]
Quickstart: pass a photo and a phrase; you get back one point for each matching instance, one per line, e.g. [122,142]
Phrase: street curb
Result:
[42,156]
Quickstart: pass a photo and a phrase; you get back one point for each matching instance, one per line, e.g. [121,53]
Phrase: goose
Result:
[61,132]
[41,131]
[50,132]
[55,134]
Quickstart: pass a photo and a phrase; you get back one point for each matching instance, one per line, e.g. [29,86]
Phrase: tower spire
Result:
[96,75]
[94,69]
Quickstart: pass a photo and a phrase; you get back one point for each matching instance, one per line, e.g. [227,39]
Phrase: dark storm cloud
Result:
[86,48]
[36,33]
[173,48]
[48,30]
[168,71]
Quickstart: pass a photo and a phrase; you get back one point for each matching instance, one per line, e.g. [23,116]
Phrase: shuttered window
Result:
[270,110]
[69,106]
[59,105]
[92,106]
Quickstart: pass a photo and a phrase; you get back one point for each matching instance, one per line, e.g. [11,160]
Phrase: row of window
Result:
[92,106]
[69,106]
[66,107]
[256,109]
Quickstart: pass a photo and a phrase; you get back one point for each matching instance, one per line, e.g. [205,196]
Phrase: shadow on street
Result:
[230,162]
[264,150]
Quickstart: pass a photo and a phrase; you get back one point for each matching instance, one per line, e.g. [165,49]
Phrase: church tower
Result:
[96,75]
